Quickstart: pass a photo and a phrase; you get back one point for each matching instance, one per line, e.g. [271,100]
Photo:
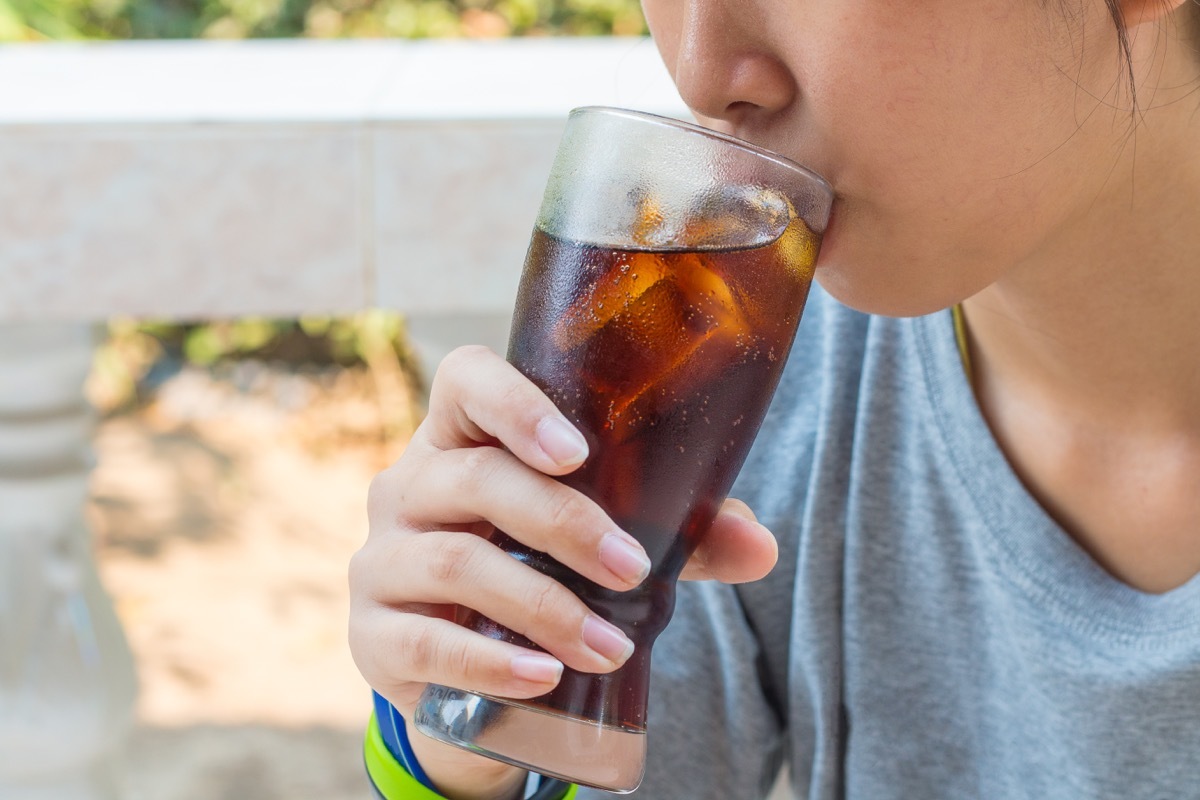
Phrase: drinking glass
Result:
[664,282]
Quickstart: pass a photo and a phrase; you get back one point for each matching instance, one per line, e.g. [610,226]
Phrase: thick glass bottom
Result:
[562,747]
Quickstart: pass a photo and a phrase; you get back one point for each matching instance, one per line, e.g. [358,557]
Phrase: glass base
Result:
[562,747]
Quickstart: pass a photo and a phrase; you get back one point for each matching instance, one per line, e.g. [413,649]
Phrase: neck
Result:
[1104,322]
[1086,354]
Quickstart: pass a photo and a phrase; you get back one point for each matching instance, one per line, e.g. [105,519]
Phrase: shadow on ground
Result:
[246,762]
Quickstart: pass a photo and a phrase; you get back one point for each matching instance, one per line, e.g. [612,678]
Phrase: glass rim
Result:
[700,130]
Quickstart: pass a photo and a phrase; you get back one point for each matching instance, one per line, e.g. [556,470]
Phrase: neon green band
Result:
[392,780]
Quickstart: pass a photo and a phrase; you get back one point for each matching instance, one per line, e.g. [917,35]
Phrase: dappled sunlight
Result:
[224,513]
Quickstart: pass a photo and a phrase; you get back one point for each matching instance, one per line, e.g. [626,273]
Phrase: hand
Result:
[484,458]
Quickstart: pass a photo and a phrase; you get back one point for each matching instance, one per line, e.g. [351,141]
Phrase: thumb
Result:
[736,549]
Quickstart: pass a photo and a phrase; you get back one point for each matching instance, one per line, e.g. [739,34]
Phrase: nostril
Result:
[722,84]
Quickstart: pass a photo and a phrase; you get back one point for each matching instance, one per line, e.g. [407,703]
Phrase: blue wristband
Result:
[395,736]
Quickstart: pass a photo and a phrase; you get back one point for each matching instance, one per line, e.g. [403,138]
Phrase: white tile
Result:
[454,209]
[180,222]
[193,81]
[527,78]
[305,80]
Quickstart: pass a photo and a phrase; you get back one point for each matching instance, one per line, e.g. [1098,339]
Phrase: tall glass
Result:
[661,294]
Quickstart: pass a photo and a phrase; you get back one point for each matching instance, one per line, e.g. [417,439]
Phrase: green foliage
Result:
[40,19]
[133,350]
[236,19]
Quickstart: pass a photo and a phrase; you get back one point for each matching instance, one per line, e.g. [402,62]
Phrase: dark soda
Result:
[666,361]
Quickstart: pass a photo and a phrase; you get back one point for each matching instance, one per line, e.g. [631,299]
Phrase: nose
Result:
[724,66]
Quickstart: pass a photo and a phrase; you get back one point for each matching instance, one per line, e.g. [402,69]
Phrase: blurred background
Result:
[232,461]
[232,457]
[30,20]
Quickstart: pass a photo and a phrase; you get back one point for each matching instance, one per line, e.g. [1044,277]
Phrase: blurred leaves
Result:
[137,356]
[40,19]
[236,19]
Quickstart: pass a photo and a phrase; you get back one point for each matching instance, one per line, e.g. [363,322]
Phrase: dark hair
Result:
[1114,9]
[1191,12]
[1188,18]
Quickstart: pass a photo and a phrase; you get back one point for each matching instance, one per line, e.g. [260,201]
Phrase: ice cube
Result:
[631,276]
[798,248]
[649,354]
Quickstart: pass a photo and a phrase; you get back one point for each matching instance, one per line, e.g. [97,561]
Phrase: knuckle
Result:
[459,360]
[457,659]
[546,602]
[451,559]
[395,560]
[420,650]
[564,510]
[477,469]
[474,352]
[388,494]
[378,492]
[357,570]
[517,394]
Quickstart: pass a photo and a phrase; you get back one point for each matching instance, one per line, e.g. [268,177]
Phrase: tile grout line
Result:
[369,189]
[366,212]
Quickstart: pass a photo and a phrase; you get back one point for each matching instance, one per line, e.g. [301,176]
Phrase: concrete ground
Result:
[224,513]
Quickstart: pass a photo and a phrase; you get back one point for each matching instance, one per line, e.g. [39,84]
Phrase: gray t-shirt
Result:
[929,631]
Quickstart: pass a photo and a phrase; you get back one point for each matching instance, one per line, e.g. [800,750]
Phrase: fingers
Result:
[479,398]
[736,549]
[432,650]
[491,484]
[464,569]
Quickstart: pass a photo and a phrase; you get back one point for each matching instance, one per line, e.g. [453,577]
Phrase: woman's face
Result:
[963,139]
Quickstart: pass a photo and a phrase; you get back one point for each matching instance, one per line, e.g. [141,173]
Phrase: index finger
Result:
[479,398]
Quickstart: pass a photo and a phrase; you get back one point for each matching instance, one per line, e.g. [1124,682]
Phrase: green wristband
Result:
[392,780]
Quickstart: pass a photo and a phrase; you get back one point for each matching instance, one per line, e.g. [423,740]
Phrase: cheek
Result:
[937,144]
[664,19]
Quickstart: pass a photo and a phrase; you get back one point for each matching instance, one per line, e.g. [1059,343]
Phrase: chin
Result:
[880,279]
[870,283]
[873,295]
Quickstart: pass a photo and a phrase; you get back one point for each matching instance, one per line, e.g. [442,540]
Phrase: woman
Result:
[988,541]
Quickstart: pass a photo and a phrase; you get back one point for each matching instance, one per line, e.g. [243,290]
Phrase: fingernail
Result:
[537,669]
[624,557]
[607,640]
[559,440]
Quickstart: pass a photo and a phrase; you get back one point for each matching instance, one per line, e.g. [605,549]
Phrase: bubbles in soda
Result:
[666,360]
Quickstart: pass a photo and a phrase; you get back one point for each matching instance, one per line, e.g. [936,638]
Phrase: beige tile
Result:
[455,205]
[180,222]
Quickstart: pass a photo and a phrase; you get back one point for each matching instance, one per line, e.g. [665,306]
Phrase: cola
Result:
[666,361]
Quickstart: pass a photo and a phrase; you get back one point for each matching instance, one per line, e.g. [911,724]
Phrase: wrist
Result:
[460,775]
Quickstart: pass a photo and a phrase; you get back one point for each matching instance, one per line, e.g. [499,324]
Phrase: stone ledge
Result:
[199,179]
